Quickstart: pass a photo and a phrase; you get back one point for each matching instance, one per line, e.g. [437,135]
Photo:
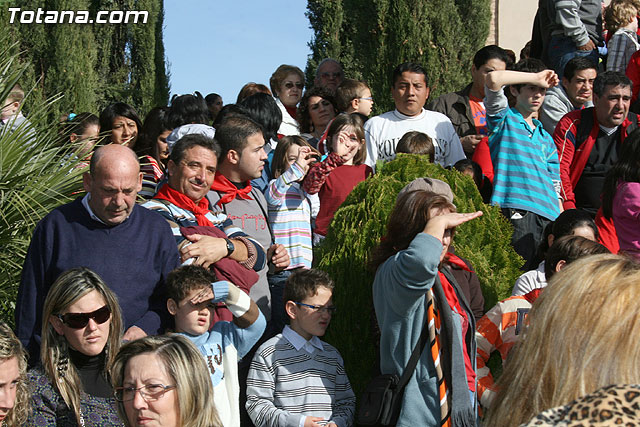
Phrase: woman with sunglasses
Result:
[163,381]
[286,84]
[81,334]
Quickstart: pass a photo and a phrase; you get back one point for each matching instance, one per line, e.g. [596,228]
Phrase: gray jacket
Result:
[579,20]
[556,104]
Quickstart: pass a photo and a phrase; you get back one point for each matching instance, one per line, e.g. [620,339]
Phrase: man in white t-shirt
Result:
[410,91]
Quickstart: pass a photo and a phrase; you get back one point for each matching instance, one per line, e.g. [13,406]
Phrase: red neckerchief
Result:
[293,111]
[182,201]
[457,261]
[533,295]
[229,191]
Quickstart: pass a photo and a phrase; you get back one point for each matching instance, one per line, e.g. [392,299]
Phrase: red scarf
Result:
[229,191]
[457,261]
[293,111]
[182,201]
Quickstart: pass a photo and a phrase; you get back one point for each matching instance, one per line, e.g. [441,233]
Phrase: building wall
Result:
[511,23]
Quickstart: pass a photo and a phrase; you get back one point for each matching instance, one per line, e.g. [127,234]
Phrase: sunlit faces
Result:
[113,189]
[290,90]
[87,140]
[292,154]
[447,238]
[365,102]
[161,149]
[308,322]
[478,75]
[329,75]
[192,319]
[124,131]
[529,98]
[346,144]
[251,161]
[91,339]
[580,87]
[9,377]
[613,106]
[321,112]
[194,174]
[410,92]
[143,370]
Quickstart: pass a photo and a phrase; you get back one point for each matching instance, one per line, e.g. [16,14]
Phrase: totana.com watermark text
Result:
[41,16]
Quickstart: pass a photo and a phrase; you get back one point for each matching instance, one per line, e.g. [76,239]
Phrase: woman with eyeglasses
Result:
[286,84]
[81,334]
[163,381]
[316,110]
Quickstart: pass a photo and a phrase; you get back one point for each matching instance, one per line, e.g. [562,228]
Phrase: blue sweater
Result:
[133,258]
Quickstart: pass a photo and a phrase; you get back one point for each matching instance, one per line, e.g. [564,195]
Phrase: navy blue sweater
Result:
[133,258]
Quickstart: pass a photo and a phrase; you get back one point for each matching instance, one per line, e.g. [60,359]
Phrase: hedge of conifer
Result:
[357,228]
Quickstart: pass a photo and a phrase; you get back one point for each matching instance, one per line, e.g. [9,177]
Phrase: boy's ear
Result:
[514,91]
[290,308]
[233,157]
[172,307]
[355,102]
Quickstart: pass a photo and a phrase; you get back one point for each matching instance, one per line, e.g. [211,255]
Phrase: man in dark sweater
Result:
[130,247]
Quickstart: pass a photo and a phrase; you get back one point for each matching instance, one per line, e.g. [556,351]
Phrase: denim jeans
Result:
[562,49]
[528,232]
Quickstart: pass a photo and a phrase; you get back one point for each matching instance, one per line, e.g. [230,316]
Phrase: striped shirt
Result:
[152,173]
[286,384]
[290,216]
[499,330]
[525,160]
[179,217]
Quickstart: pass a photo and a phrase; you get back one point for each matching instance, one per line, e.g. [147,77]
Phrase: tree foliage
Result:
[93,65]
[37,174]
[360,223]
[371,37]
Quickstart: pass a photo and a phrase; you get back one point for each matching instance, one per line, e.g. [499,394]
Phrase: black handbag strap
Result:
[415,355]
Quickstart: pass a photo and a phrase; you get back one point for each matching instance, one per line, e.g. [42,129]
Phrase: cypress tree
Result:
[359,224]
[371,38]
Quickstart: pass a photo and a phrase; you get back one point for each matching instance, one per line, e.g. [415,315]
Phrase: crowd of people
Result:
[180,288]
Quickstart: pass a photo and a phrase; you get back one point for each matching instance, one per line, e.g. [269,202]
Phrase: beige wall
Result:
[512,23]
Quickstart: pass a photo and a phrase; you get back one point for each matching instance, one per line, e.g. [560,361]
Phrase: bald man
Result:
[130,247]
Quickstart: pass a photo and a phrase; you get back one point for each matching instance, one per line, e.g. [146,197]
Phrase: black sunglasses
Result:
[80,320]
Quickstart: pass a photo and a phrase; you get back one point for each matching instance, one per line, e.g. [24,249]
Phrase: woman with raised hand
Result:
[163,381]
[409,295]
[81,334]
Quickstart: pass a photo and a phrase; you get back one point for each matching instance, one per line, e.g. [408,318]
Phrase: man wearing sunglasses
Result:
[329,74]
[131,248]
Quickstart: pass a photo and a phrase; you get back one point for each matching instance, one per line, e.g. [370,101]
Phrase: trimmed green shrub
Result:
[357,228]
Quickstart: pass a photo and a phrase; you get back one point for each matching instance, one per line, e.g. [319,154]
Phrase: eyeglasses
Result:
[318,308]
[330,75]
[80,320]
[149,392]
[290,85]
[368,98]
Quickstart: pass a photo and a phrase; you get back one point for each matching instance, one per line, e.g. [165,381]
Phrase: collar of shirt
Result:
[608,131]
[299,342]
[85,203]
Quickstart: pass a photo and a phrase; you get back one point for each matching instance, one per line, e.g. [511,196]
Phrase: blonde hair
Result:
[11,347]
[582,336]
[281,73]
[16,94]
[186,367]
[72,285]
[618,14]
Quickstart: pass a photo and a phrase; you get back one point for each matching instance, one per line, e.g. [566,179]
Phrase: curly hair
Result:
[303,116]
[10,347]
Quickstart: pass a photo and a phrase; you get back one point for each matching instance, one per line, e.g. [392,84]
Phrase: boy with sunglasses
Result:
[296,379]
[192,292]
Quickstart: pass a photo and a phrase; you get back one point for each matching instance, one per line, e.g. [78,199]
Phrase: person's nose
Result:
[263,154]
[92,325]
[7,399]
[138,400]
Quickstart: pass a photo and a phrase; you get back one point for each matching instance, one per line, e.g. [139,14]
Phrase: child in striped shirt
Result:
[296,379]
[526,169]
[290,207]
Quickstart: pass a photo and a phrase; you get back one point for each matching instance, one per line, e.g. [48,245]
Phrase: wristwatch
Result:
[230,247]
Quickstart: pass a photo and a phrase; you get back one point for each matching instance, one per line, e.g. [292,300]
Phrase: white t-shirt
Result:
[532,279]
[383,132]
